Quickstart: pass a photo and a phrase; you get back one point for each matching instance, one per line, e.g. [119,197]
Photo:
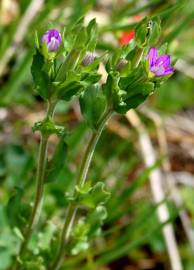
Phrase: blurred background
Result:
[144,157]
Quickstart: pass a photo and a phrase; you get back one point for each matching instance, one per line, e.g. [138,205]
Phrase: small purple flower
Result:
[160,66]
[53,39]
[88,59]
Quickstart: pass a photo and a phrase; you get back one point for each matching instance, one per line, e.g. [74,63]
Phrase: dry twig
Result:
[150,158]
[171,182]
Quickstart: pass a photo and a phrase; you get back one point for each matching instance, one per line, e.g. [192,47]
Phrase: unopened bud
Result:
[121,64]
[88,59]
[53,39]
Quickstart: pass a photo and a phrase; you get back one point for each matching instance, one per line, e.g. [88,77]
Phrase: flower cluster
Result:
[158,65]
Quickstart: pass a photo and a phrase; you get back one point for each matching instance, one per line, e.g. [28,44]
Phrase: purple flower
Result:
[88,59]
[160,66]
[53,39]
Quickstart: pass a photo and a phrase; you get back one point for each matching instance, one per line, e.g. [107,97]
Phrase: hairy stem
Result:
[72,208]
[41,167]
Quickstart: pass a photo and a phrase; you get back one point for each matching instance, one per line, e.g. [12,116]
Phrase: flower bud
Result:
[121,64]
[53,39]
[88,59]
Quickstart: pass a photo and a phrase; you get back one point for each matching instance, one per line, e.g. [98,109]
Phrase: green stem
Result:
[72,208]
[42,160]
[138,56]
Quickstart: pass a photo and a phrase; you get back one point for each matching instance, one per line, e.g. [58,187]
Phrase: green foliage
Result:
[55,165]
[47,127]
[88,227]
[78,40]
[128,92]
[14,213]
[80,237]
[92,196]
[148,32]
[92,31]
[32,265]
[72,86]
[93,104]
[40,77]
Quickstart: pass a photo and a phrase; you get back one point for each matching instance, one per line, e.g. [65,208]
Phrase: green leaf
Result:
[130,103]
[55,165]
[70,63]
[80,231]
[86,229]
[13,213]
[114,94]
[100,214]
[124,93]
[93,104]
[163,49]
[144,88]
[80,237]
[47,127]
[148,32]
[90,78]
[33,264]
[155,31]
[41,79]
[45,237]
[136,76]
[71,86]
[85,189]
[97,195]
[141,33]
[96,219]
[81,38]
[69,90]
[36,39]
[18,233]
[92,30]
[79,247]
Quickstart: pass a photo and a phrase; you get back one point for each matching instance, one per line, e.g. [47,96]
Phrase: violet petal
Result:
[152,56]
[163,60]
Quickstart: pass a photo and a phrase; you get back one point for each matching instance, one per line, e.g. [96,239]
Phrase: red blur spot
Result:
[137,18]
[126,37]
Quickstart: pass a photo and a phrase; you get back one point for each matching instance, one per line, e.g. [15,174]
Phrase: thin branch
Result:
[158,193]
